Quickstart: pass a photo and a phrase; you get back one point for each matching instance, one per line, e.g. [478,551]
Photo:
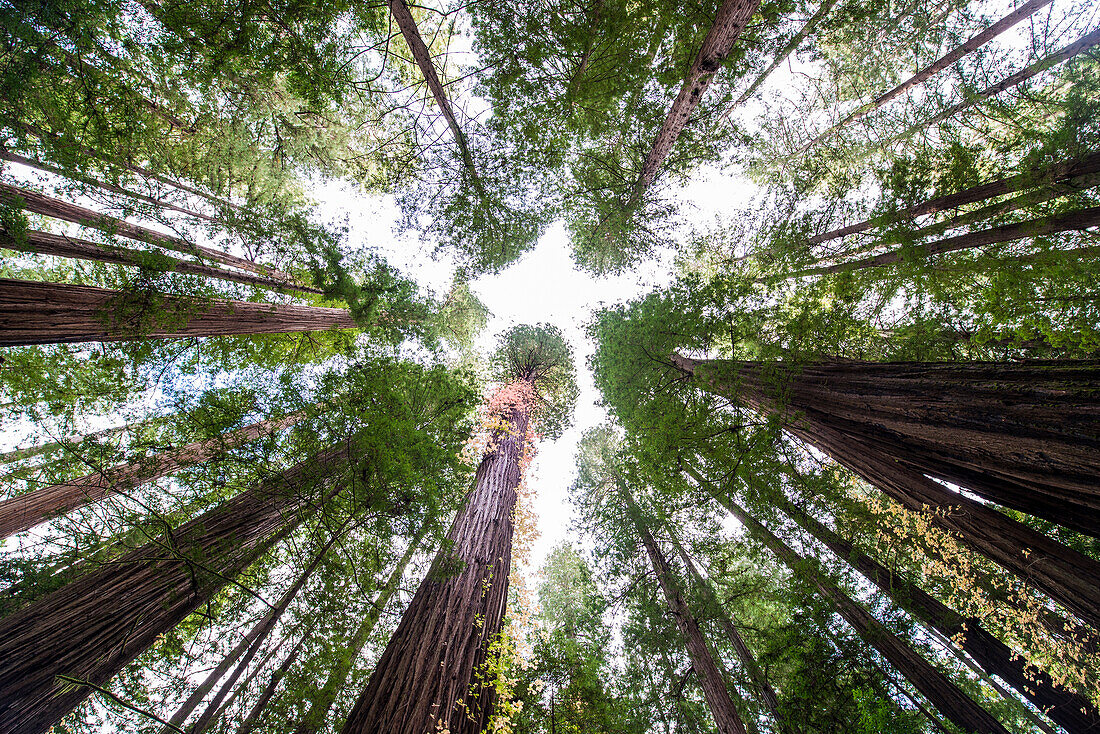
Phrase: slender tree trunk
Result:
[1025,435]
[25,511]
[321,702]
[243,687]
[1024,11]
[248,646]
[732,17]
[933,685]
[1082,44]
[58,209]
[8,155]
[1063,171]
[257,709]
[787,50]
[444,636]
[763,688]
[1077,220]
[57,245]
[30,452]
[1074,712]
[95,626]
[34,312]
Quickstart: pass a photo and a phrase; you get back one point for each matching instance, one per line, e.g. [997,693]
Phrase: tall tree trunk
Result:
[1077,220]
[1074,712]
[58,209]
[25,511]
[1041,179]
[787,50]
[247,682]
[30,452]
[1025,435]
[34,312]
[732,17]
[95,626]
[1024,11]
[45,243]
[713,683]
[1081,44]
[443,639]
[322,700]
[248,646]
[760,681]
[948,699]
[268,693]
[73,175]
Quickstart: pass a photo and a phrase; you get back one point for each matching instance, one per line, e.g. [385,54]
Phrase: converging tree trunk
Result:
[90,629]
[948,699]
[25,511]
[711,680]
[428,676]
[1070,578]
[34,312]
[320,701]
[1070,710]
[760,681]
[1024,11]
[732,17]
[257,710]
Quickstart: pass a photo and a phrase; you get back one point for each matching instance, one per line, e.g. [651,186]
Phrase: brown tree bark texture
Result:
[1075,713]
[35,312]
[268,693]
[948,699]
[711,680]
[25,511]
[733,16]
[1070,578]
[98,624]
[48,206]
[435,656]
[45,243]
[1054,174]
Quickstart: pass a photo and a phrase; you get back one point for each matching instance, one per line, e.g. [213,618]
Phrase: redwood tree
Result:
[431,675]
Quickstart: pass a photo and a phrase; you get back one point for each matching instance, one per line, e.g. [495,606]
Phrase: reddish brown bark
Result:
[718,44]
[33,312]
[98,624]
[58,209]
[948,699]
[711,680]
[442,643]
[1002,25]
[25,511]
[45,243]
[1070,710]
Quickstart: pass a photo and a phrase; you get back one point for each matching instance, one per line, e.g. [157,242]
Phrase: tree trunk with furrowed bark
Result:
[948,699]
[1067,576]
[438,652]
[1070,710]
[25,511]
[35,312]
[93,627]
[711,680]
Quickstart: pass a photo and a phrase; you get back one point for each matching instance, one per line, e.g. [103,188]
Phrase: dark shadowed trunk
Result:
[760,681]
[34,312]
[257,710]
[718,44]
[1017,15]
[711,680]
[50,207]
[948,699]
[1067,576]
[1063,171]
[58,245]
[1074,712]
[432,660]
[321,701]
[95,626]
[25,511]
